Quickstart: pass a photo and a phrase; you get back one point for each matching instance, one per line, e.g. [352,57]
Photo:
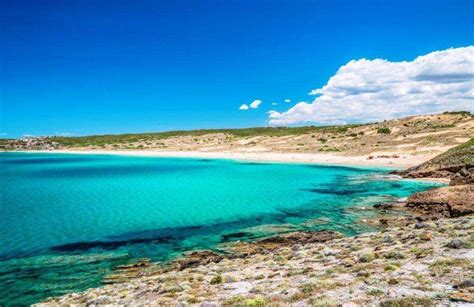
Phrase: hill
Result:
[457,164]
[403,142]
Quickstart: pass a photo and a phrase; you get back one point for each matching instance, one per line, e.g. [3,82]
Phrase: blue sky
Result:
[94,67]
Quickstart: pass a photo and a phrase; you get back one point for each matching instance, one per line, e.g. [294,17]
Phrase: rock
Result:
[139,264]
[301,237]
[196,259]
[451,201]
[101,300]
[239,288]
[462,297]
[421,225]
[383,206]
[328,252]
[457,244]
[366,256]
[469,283]
[464,176]
[425,236]
[327,260]
[243,249]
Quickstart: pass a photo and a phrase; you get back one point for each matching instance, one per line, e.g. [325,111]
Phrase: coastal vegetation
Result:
[392,138]
[384,130]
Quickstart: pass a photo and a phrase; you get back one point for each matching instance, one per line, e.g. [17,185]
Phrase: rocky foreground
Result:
[411,262]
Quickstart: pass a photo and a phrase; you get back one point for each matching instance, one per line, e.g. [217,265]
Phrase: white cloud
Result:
[287,100]
[244,107]
[274,104]
[255,103]
[373,90]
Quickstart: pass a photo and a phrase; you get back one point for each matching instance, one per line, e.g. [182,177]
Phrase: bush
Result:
[216,280]
[384,130]
[234,301]
[391,267]
[367,257]
[407,301]
[255,302]
[463,113]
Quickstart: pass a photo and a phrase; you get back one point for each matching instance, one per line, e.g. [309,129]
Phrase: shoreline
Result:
[403,161]
[407,261]
[269,157]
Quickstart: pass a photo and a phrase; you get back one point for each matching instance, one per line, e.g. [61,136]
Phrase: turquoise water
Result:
[66,219]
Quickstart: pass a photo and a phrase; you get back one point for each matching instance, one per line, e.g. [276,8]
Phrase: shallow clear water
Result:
[66,219]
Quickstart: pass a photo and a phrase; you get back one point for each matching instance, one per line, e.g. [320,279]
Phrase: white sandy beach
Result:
[403,161]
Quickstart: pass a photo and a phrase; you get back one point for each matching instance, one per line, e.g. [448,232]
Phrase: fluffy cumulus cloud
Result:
[287,100]
[255,103]
[373,90]
[244,107]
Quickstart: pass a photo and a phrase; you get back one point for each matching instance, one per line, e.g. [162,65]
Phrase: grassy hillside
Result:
[98,140]
[462,155]
[430,134]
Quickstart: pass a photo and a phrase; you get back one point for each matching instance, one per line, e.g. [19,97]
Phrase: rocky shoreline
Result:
[413,260]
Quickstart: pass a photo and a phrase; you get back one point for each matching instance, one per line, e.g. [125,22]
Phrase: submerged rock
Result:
[139,264]
[383,206]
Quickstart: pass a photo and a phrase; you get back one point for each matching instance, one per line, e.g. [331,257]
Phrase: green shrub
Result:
[216,280]
[367,257]
[394,255]
[234,301]
[407,302]
[391,267]
[322,302]
[375,292]
[258,301]
[463,113]
[384,130]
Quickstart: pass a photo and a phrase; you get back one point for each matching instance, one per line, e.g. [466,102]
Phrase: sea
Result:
[66,220]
